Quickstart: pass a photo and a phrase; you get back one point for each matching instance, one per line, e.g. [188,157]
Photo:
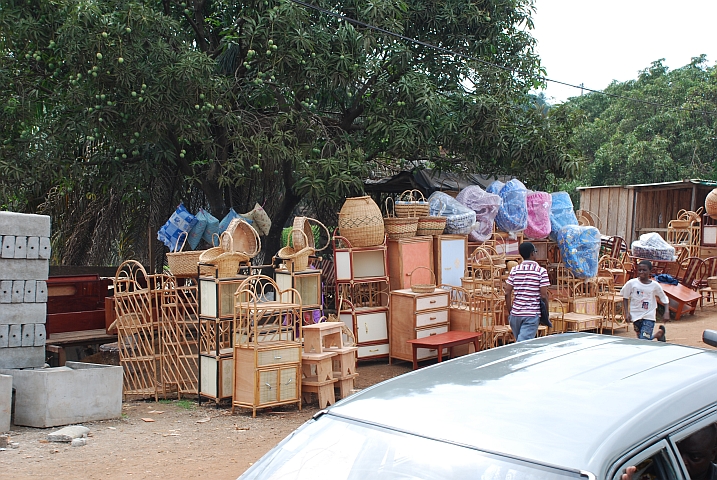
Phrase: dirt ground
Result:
[185,440]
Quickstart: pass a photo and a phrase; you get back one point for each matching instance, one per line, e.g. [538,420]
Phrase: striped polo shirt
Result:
[526,279]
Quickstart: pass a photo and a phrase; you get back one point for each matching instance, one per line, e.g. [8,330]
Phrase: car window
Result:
[346,450]
[696,445]
[654,463]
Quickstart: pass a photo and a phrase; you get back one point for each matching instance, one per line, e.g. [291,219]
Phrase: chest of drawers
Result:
[416,315]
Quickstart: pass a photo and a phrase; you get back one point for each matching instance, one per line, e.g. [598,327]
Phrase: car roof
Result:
[578,400]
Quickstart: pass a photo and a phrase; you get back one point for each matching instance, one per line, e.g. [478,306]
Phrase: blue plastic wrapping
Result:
[459,218]
[180,221]
[485,205]
[561,213]
[513,214]
[195,234]
[212,226]
[580,249]
[495,187]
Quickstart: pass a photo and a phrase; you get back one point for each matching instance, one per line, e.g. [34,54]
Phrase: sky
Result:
[596,42]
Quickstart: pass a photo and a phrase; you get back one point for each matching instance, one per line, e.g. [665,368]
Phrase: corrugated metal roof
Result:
[692,181]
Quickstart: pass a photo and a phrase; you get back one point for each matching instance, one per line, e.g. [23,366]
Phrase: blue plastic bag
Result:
[228,219]
[495,187]
[180,221]
[212,226]
[195,234]
[580,249]
[561,213]
[513,213]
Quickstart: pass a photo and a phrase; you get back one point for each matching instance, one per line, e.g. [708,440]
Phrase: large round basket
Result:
[241,237]
[425,287]
[711,203]
[430,225]
[183,264]
[361,222]
[298,257]
[412,203]
[227,262]
[712,282]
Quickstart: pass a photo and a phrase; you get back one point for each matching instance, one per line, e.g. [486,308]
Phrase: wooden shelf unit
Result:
[417,315]
[267,345]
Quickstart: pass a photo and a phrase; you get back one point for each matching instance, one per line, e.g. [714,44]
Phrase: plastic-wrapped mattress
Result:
[580,249]
[652,246]
[561,213]
[538,204]
[513,213]
[485,205]
[459,218]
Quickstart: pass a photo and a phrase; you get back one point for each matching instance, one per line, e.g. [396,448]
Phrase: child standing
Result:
[640,305]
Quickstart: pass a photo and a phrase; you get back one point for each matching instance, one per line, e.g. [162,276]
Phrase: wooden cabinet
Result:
[307,283]
[416,315]
[267,350]
[370,327]
[405,255]
[449,258]
[360,264]
[217,372]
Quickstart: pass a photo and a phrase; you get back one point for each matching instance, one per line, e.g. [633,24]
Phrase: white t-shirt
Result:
[642,298]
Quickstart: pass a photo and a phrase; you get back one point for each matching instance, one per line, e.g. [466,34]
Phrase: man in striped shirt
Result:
[528,282]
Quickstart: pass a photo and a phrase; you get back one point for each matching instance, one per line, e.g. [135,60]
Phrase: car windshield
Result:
[341,449]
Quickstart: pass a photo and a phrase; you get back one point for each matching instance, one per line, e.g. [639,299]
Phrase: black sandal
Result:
[663,338]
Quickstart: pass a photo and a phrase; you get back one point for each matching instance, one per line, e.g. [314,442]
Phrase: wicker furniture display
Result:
[267,345]
[307,283]
[362,295]
[414,316]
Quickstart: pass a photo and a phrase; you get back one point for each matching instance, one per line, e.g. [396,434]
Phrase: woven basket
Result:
[412,203]
[226,261]
[711,203]
[241,237]
[396,227]
[183,264]
[430,225]
[422,288]
[712,282]
[679,223]
[303,225]
[299,257]
[361,222]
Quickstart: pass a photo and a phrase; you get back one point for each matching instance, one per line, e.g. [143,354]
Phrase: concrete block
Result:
[45,251]
[41,291]
[75,393]
[20,247]
[4,329]
[26,224]
[68,434]
[29,292]
[33,247]
[23,357]
[5,402]
[18,291]
[15,336]
[12,313]
[40,335]
[23,269]
[5,291]
[8,247]
[28,335]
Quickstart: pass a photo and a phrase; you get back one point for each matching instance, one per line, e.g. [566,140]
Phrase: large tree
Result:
[656,128]
[113,111]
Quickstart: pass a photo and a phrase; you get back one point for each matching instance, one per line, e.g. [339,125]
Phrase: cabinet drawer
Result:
[371,327]
[431,318]
[372,350]
[278,356]
[423,353]
[431,302]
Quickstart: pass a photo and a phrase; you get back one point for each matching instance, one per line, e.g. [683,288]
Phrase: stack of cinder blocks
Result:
[24,266]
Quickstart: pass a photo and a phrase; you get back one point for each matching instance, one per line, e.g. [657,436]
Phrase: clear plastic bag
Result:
[561,213]
[459,218]
[539,204]
[652,246]
[580,249]
[485,205]
[513,214]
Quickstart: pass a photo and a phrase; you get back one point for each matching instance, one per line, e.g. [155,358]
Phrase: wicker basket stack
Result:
[398,227]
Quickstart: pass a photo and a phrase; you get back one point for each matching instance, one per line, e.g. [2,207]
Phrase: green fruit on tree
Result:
[128,30]
[99,56]
[136,134]
[120,60]
[104,34]
[134,94]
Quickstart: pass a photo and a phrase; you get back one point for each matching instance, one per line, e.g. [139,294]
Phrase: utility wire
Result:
[485,62]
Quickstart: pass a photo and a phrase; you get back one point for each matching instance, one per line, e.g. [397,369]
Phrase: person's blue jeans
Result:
[524,328]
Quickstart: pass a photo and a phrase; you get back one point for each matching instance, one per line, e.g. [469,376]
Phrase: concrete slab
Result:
[41,291]
[24,269]
[18,291]
[44,248]
[4,329]
[68,434]
[5,402]
[5,291]
[19,313]
[22,357]
[20,247]
[29,292]
[40,335]
[26,224]
[28,335]
[75,393]
[15,336]
[33,247]
[8,246]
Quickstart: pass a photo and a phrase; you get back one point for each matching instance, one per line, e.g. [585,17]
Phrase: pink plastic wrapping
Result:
[539,204]
[485,205]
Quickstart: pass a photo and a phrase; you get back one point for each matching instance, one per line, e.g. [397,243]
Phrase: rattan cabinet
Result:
[267,345]
[405,256]
[449,256]
[417,315]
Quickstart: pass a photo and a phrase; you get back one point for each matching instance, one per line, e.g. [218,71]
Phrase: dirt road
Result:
[188,441]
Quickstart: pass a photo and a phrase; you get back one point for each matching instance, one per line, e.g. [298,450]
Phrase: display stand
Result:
[307,283]
[267,349]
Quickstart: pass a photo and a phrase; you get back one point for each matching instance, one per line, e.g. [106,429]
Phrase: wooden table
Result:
[685,299]
[444,340]
[58,342]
